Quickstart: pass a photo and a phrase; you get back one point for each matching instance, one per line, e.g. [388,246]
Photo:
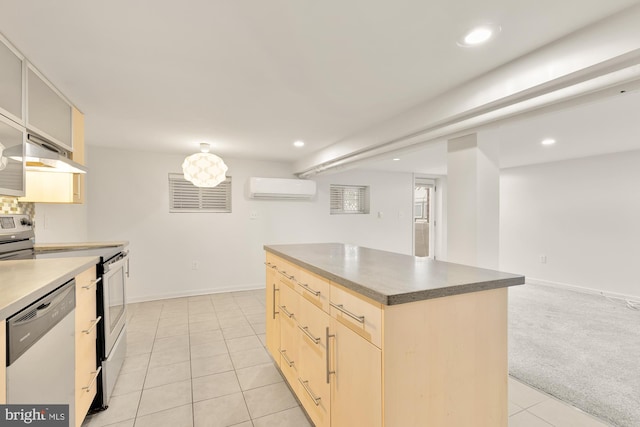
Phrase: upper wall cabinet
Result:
[48,112]
[11,82]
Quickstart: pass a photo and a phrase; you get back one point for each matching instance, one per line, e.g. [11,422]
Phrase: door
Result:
[423,217]
[289,334]
[356,381]
[273,315]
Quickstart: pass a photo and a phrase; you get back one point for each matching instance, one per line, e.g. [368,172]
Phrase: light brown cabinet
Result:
[352,361]
[85,336]
[59,187]
[313,376]
[322,359]
[356,383]
[272,324]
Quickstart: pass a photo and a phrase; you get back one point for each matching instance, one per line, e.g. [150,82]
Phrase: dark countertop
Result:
[391,278]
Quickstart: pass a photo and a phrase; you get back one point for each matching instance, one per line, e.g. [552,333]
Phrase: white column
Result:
[473,199]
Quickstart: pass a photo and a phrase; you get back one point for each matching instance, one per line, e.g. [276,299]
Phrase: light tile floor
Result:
[201,362]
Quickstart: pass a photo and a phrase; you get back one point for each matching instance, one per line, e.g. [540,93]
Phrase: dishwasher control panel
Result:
[28,325]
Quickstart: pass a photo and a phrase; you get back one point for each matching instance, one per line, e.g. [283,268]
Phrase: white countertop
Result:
[45,247]
[24,281]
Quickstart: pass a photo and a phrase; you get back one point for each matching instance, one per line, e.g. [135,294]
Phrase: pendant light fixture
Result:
[204,169]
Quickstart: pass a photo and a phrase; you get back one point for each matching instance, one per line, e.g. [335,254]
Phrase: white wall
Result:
[61,223]
[583,214]
[128,200]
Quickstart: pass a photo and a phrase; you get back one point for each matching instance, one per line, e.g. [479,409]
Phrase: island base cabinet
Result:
[437,361]
[356,379]
[445,361]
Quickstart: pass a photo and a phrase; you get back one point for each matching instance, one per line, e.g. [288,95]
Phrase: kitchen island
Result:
[368,337]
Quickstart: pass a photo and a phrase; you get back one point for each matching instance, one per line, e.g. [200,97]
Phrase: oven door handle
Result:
[119,259]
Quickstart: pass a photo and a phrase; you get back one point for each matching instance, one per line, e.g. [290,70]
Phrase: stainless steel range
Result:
[17,242]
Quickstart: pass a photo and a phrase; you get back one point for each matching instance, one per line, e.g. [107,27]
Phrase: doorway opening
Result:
[423,217]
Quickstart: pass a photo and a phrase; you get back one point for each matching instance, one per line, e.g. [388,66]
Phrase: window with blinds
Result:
[349,199]
[186,197]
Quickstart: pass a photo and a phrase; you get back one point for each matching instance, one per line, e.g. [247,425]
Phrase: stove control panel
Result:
[15,223]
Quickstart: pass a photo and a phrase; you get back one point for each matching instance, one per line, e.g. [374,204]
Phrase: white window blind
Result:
[349,199]
[186,197]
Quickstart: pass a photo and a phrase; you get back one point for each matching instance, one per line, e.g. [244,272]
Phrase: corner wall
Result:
[583,215]
[128,199]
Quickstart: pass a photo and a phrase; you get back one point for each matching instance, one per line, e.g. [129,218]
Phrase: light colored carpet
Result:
[581,348]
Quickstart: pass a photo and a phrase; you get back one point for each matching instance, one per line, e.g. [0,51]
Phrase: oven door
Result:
[114,284]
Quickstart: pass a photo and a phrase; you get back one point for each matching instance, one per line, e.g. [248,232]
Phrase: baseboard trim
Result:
[194,293]
[615,295]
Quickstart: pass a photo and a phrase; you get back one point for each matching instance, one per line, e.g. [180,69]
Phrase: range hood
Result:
[45,157]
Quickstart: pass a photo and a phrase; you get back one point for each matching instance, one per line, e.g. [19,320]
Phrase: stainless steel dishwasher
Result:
[41,351]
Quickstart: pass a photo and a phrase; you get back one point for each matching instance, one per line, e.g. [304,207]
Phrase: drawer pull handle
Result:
[305,384]
[94,323]
[307,333]
[285,311]
[329,372]
[286,359]
[284,273]
[268,264]
[341,308]
[92,283]
[308,289]
[274,301]
[95,377]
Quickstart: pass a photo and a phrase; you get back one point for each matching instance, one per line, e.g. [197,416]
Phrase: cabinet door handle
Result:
[308,289]
[95,377]
[274,301]
[305,384]
[92,283]
[286,359]
[94,323]
[285,311]
[329,372]
[307,333]
[341,308]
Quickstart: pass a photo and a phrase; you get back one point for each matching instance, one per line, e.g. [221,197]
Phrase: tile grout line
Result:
[235,371]
[193,406]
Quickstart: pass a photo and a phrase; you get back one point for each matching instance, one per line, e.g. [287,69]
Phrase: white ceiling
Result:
[607,125]
[252,76]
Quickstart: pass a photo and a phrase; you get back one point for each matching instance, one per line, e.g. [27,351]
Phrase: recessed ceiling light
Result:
[548,141]
[299,144]
[396,159]
[479,35]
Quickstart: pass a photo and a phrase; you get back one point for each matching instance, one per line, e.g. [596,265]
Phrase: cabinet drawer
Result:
[314,289]
[361,316]
[289,350]
[86,374]
[284,268]
[314,390]
[313,324]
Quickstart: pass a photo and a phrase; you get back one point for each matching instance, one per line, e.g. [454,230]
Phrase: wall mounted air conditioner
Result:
[280,188]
